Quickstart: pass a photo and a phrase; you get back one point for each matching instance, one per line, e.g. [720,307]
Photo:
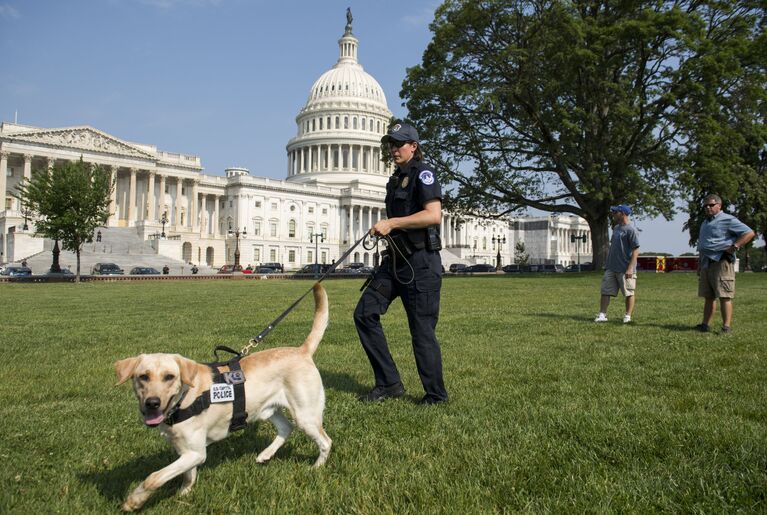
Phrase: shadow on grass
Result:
[117,483]
[341,382]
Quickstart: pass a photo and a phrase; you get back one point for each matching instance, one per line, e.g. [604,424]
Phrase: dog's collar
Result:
[176,401]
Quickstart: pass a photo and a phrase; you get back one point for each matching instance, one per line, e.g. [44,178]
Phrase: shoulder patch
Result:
[426,177]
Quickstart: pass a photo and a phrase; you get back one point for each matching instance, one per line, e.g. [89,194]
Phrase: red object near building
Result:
[667,263]
[682,264]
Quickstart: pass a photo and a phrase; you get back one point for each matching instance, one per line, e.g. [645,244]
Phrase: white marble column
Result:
[150,200]
[216,216]
[28,167]
[3,178]
[177,204]
[193,221]
[161,203]
[113,215]
[132,197]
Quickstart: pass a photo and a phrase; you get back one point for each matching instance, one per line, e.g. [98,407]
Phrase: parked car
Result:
[264,270]
[106,269]
[144,270]
[512,269]
[63,271]
[478,268]
[314,269]
[277,267]
[457,267]
[557,268]
[356,265]
[228,269]
[585,267]
[16,271]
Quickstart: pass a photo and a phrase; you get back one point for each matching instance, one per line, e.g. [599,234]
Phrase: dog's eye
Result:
[169,377]
[143,377]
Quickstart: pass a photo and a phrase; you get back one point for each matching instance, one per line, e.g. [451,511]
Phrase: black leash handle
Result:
[255,341]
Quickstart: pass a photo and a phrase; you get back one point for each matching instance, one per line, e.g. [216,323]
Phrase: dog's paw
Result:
[263,458]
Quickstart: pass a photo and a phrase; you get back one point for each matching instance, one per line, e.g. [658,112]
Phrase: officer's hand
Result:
[382,228]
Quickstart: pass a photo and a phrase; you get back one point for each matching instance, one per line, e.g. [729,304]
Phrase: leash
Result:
[255,341]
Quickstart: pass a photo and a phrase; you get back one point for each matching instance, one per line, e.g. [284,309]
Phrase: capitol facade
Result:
[333,192]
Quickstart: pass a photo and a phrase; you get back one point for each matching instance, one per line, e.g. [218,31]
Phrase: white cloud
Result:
[9,12]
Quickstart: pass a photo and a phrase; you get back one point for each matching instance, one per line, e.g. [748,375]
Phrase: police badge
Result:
[405,182]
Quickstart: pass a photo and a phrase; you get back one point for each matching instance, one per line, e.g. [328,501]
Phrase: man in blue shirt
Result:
[620,270]
[721,235]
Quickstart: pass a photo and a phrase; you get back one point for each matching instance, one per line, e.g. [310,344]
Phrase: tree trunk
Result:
[600,241]
[77,277]
[55,267]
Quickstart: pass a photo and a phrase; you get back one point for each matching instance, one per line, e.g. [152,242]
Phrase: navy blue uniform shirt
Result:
[409,188]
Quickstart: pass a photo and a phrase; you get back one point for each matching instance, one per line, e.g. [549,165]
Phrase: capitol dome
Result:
[338,142]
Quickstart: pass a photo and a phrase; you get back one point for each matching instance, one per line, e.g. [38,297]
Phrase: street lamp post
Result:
[573,239]
[498,241]
[26,212]
[236,233]
[316,237]
[163,221]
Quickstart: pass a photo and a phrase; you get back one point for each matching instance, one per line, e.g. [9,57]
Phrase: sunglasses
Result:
[709,205]
[397,144]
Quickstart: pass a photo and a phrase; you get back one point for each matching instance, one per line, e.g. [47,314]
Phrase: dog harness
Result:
[227,387]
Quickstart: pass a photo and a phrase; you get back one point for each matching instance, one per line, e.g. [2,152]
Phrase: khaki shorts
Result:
[717,281]
[613,282]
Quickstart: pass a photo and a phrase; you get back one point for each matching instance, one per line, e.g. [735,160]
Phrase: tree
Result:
[728,136]
[71,202]
[520,254]
[568,106]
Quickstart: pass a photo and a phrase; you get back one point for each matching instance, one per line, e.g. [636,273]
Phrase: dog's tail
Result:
[320,320]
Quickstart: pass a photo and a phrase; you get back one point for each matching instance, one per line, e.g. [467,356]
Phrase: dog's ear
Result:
[125,368]
[188,369]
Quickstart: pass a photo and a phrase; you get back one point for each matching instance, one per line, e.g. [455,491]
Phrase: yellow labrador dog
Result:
[274,379]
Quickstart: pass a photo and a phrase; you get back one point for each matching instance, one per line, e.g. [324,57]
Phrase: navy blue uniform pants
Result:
[420,297]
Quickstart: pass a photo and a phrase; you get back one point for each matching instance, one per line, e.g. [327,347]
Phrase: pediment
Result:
[81,138]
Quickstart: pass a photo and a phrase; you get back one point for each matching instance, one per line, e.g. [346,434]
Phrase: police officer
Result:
[411,271]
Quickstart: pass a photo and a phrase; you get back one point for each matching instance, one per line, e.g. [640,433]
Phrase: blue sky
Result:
[221,79]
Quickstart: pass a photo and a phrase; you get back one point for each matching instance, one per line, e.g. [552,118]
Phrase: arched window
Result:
[354,123]
[346,122]
[363,124]
[314,128]
[292,229]
[321,123]
[338,122]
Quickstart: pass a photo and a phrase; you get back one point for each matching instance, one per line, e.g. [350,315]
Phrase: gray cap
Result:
[401,132]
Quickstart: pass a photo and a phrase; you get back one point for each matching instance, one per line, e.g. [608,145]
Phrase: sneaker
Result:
[726,329]
[703,328]
[430,401]
[626,319]
[601,318]
[380,393]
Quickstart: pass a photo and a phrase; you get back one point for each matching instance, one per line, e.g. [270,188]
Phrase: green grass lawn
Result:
[549,412]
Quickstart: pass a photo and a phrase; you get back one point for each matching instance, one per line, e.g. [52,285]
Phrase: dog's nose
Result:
[152,402]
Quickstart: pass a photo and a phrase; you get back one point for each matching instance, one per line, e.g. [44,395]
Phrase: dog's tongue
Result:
[153,420]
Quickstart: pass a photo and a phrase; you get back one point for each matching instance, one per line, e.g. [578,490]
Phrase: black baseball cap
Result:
[401,132]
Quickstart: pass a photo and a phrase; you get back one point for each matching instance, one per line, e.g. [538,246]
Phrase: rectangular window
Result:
[274,206]
[273,255]
[309,256]
[256,229]
[291,256]
[273,229]
[324,210]
[258,203]
[311,209]
[257,254]
[324,257]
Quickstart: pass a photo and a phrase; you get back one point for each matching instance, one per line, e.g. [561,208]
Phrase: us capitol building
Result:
[333,192]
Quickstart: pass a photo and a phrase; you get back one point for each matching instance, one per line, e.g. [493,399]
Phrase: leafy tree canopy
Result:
[71,202]
[572,106]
